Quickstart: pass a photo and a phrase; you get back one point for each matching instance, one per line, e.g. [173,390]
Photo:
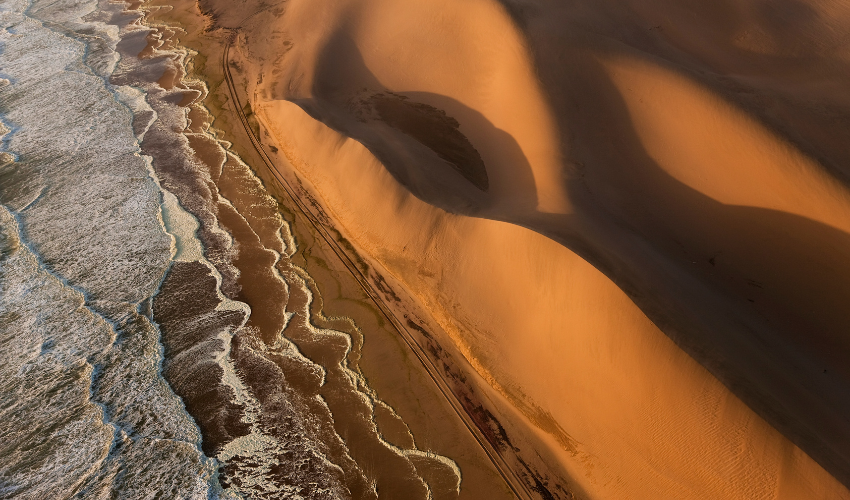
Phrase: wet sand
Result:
[598,292]
[327,316]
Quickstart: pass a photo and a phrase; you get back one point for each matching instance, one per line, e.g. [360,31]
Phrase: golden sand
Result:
[665,217]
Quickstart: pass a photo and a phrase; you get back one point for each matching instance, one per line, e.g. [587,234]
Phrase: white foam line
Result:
[367,394]
[183,226]
[358,381]
[126,97]
[134,99]
[256,444]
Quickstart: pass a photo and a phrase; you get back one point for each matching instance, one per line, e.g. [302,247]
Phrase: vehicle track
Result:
[519,488]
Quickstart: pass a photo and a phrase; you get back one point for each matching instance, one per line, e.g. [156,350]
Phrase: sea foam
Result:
[85,411]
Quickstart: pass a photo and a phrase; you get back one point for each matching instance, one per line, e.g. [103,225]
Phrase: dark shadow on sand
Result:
[755,295]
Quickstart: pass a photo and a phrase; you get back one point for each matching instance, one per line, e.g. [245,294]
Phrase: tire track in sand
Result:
[519,488]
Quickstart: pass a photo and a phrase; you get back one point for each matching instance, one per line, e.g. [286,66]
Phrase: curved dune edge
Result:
[309,349]
[598,132]
[644,420]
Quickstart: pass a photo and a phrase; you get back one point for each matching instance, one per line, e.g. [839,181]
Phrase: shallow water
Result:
[85,410]
[156,340]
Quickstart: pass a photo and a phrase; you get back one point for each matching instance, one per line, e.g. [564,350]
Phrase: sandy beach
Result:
[432,249]
[647,283]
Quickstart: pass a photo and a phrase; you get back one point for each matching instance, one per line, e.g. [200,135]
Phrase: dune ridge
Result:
[270,376]
[270,345]
[655,172]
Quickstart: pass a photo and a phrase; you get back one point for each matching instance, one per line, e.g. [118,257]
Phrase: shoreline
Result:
[519,488]
[389,388]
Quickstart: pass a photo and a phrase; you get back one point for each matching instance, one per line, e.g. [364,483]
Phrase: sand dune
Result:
[562,188]
[633,415]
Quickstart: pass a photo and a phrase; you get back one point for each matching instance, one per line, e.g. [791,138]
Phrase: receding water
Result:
[156,339]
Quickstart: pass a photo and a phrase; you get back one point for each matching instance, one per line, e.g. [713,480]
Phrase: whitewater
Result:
[85,411]
[131,364]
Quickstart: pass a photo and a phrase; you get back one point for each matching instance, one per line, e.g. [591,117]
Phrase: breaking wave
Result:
[157,339]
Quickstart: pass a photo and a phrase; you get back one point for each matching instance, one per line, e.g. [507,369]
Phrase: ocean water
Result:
[273,394]
[85,411]
[156,340]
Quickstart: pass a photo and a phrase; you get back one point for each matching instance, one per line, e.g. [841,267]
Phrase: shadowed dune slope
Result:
[631,217]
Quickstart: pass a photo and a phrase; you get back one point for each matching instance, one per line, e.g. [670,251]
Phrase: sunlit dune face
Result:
[466,60]
[630,148]
[703,141]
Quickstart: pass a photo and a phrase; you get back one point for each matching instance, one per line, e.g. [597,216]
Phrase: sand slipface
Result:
[645,298]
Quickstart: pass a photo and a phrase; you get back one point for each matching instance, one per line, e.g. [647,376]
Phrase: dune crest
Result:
[664,217]
[580,369]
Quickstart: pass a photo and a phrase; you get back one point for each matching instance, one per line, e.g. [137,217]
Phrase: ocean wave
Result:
[85,410]
[140,356]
